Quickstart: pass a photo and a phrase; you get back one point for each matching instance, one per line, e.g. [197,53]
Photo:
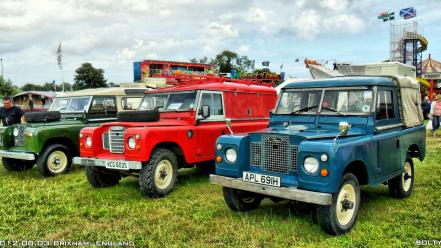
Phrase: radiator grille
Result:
[116,139]
[274,154]
[106,145]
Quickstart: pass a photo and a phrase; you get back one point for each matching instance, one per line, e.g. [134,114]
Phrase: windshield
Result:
[343,101]
[70,104]
[176,101]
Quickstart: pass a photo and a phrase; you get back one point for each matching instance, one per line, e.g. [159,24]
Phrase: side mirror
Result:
[205,111]
[228,123]
[344,128]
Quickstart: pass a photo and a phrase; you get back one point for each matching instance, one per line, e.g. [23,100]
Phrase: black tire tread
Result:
[395,185]
[17,164]
[146,178]
[100,179]
[234,203]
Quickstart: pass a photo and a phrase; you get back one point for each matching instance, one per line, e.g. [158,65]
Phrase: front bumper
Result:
[283,192]
[17,155]
[133,165]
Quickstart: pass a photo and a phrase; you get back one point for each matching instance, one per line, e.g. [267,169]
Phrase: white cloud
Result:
[336,5]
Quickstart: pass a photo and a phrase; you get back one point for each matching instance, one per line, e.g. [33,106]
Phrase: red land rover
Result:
[175,127]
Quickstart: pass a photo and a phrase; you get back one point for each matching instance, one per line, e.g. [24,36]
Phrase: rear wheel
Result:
[100,178]
[402,185]
[159,175]
[54,160]
[11,164]
[239,200]
[339,217]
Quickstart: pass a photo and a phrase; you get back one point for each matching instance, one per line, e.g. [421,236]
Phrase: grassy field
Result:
[195,215]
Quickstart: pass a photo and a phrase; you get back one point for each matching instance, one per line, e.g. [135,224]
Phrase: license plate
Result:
[120,165]
[261,179]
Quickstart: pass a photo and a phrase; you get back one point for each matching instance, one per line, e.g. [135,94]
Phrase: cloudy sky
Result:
[111,34]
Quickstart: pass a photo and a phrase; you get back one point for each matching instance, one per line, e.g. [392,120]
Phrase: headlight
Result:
[15,131]
[88,141]
[219,147]
[131,143]
[231,155]
[311,165]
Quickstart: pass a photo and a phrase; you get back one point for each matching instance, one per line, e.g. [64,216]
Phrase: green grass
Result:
[195,215]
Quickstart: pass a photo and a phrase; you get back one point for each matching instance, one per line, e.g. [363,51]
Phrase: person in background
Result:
[9,113]
[425,107]
[31,104]
[435,113]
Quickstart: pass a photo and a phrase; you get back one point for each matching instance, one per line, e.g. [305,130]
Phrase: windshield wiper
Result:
[303,109]
[333,110]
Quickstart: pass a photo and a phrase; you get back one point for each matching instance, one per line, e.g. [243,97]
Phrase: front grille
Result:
[274,154]
[106,145]
[116,139]
[19,140]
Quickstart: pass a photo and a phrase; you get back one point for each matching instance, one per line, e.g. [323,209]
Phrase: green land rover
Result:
[50,139]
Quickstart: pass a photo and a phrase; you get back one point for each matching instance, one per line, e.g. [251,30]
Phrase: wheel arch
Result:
[63,141]
[175,148]
[358,168]
[415,152]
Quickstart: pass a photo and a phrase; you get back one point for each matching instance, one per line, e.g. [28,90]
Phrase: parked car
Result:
[50,139]
[326,138]
[175,127]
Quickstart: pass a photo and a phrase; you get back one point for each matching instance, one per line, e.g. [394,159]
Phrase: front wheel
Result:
[11,164]
[54,160]
[402,185]
[159,175]
[339,217]
[100,178]
[239,200]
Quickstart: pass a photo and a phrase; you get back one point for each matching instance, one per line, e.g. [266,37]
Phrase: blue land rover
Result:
[326,138]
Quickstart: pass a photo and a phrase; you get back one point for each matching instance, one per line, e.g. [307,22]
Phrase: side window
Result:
[385,106]
[214,100]
[103,107]
[130,103]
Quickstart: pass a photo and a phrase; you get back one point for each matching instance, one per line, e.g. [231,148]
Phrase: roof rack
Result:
[188,79]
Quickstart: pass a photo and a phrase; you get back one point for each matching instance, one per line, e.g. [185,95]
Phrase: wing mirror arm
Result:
[228,123]
[344,128]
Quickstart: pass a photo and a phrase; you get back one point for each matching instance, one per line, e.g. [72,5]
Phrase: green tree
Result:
[87,76]
[227,60]
[6,87]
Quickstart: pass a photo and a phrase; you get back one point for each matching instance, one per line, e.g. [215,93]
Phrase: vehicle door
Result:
[387,131]
[209,129]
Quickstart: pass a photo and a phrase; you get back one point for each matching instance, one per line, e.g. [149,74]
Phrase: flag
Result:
[392,16]
[59,55]
[386,16]
[265,63]
[408,13]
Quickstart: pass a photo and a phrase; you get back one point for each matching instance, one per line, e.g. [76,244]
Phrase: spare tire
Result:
[139,116]
[45,116]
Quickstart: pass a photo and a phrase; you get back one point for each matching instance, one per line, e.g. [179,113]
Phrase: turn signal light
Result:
[324,172]
[218,159]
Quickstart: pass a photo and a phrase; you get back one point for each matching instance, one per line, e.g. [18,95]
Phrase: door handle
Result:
[398,144]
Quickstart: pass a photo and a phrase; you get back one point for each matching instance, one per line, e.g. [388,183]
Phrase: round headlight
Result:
[15,131]
[311,165]
[88,141]
[231,155]
[131,143]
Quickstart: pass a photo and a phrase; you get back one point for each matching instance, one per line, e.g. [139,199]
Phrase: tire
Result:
[328,217]
[402,185]
[11,164]
[206,168]
[102,178]
[46,116]
[159,175]
[138,116]
[54,160]
[242,201]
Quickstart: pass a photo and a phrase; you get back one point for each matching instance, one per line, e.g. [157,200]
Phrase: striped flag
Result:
[408,13]
[59,55]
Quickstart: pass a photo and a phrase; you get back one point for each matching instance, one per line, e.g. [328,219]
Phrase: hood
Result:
[62,122]
[311,133]
[160,123]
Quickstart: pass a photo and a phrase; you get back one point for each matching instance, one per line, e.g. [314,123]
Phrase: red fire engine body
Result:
[175,127]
